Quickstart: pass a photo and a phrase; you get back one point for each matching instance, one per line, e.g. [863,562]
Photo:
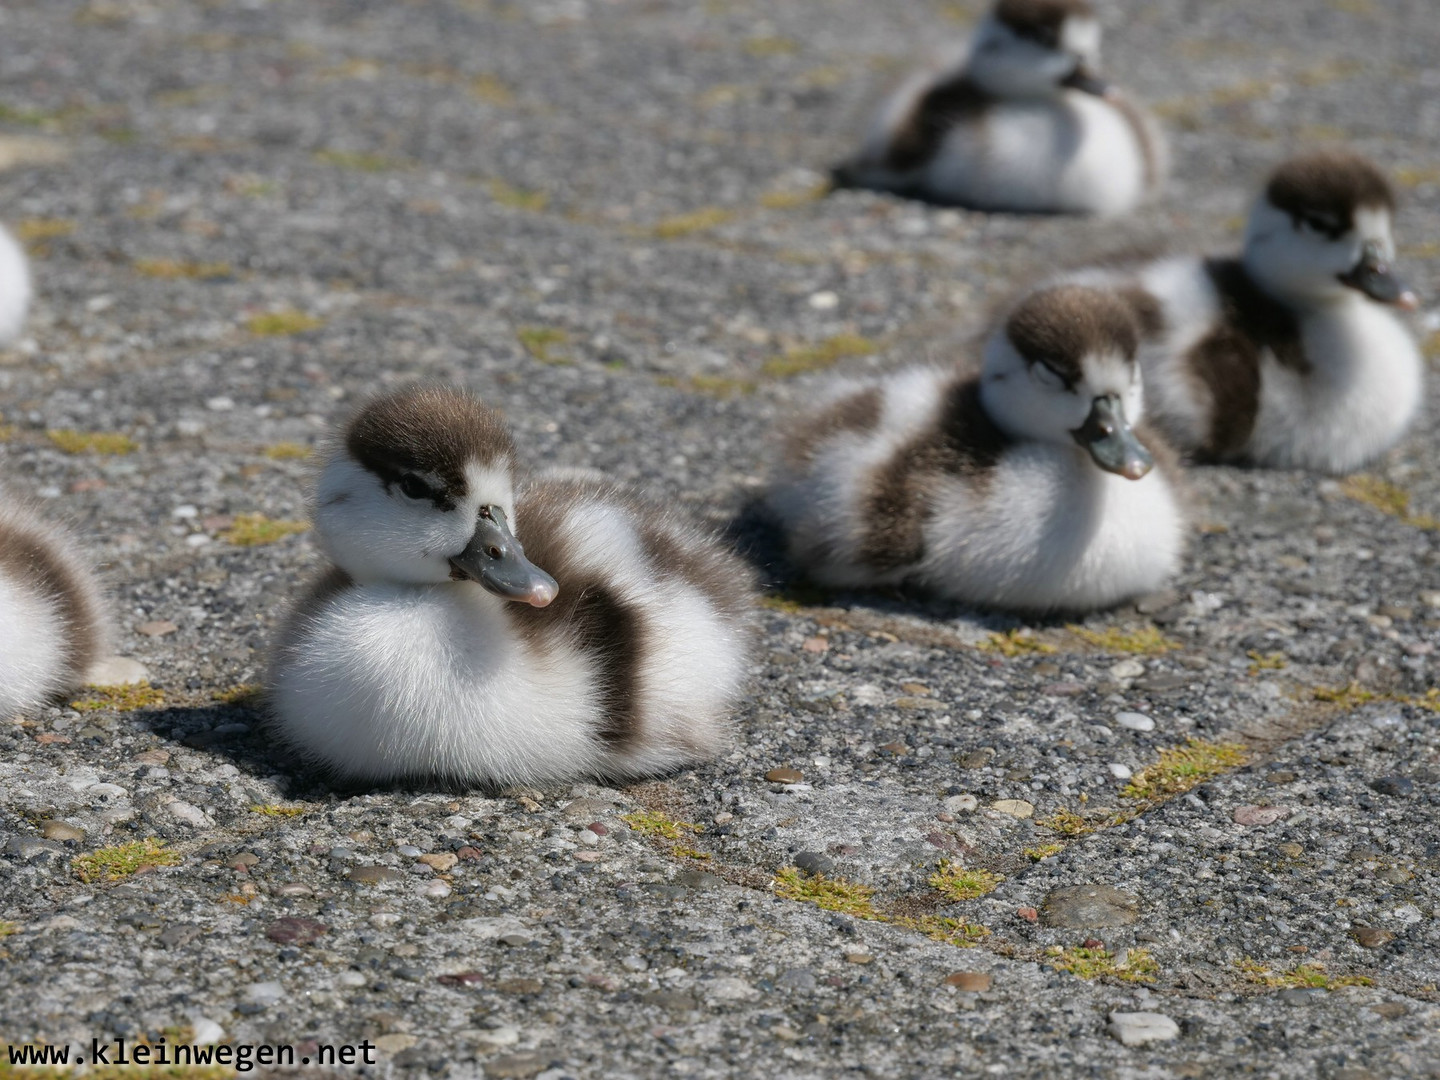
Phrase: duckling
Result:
[14,288]
[1290,356]
[53,625]
[1020,122]
[482,627]
[1029,486]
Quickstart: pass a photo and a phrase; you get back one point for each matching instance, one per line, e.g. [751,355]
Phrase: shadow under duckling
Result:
[480,628]
[1031,486]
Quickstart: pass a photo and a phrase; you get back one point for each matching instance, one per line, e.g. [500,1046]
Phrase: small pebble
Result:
[1260,815]
[1371,937]
[970,982]
[1118,771]
[859,958]
[814,862]
[440,860]
[961,804]
[1393,785]
[410,851]
[61,830]
[1134,721]
[784,776]
[1018,808]
[1139,1028]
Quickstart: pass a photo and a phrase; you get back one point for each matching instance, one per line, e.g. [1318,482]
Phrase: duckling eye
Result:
[412,487]
[1316,224]
[1047,377]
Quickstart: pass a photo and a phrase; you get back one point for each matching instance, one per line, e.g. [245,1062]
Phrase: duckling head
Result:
[418,490]
[1036,48]
[1063,370]
[1321,231]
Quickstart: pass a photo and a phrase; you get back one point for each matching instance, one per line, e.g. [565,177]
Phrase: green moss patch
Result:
[282,323]
[1131,965]
[116,863]
[832,894]
[139,695]
[1181,768]
[92,442]
[804,359]
[253,530]
[955,882]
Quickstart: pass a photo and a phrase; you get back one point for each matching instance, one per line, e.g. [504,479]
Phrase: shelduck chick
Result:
[1027,487]
[1020,122]
[1290,356]
[14,288]
[53,625]
[479,630]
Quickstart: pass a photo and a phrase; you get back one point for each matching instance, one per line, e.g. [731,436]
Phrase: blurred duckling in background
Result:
[1021,122]
[1029,487]
[1291,355]
[479,628]
[15,288]
[53,624]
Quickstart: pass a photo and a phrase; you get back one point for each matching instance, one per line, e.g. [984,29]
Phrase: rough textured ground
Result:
[601,214]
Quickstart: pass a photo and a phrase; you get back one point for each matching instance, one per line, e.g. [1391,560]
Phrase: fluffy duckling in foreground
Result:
[480,629]
[1290,356]
[14,288]
[1021,123]
[1027,487]
[52,618]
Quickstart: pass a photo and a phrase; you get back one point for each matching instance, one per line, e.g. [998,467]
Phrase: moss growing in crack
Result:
[360,161]
[957,932]
[803,359]
[654,823]
[7,928]
[1181,768]
[174,269]
[254,530]
[1388,498]
[1141,641]
[539,341]
[1271,661]
[1355,695]
[518,198]
[832,894]
[239,694]
[958,883]
[1067,823]
[276,810]
[697,221]
[1043,851]
[92,442]
[712,385]
[116,863]
[287,451]
[1128,965]
[282,323]
[139,695]
[1303,976]
[1017,642]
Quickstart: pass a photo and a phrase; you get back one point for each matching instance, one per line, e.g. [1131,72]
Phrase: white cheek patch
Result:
[489,485]
[1372,225]
[1082,37]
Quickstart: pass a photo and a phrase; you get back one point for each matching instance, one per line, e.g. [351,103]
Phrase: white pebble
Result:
[410,851]
[961,804]
[825,300]
[205,1032]
[1127,669]
[188,813]
[1120,772]
[265,993]
[196,540]
[220,404]
[436,890]
[1139,1028]
[350,978]
[1135,721]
